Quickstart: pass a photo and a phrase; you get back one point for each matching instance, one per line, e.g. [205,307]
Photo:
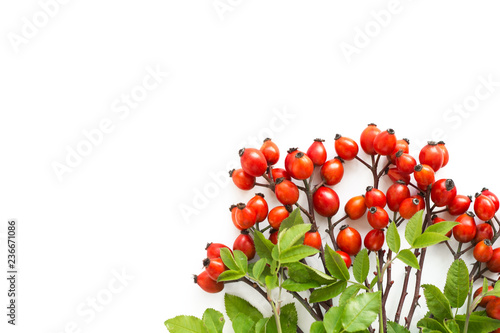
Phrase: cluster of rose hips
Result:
[400,167]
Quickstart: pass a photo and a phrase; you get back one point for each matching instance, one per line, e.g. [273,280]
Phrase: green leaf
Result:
[452,326]
[437,303]
[332,320]
[361,266]
[293,219]
[414,227]
[361,311]
[303,274]
[317,327]
[349,293]
[428,239]
[431,324]
[228,259]
[263,246]
[289,237]
[288,318]
[213,321]
[328,292]
[456,289]
[478,324]
[374,282]
[335,264]
[441,227]
[276,253]
[392,238]
[408,257]
[241,260]
[185,324]
[243,324]
[260,326]
[296,253]
[258,268]
[230,276]
[272,281]
[291,285]
[236,305]
[393,327]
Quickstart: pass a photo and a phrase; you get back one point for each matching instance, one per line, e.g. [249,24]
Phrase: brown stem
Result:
[366,164]
[380,254]
[389,281]
[404,293]
[256,287]
[416,294]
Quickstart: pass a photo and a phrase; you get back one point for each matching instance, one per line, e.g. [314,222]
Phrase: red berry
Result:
[286,192]
[385,142]
[483,231]
[395,174]
[242,179]
[435,219]
[245,244]
[214,267]
[401,144]
[273,237]
[253,161]
[213,250]
[424,174]
[280,173]
[326,201]
[271,151]
[409,207]
[289,159]
[432,155]
[483,251]
[367,137]
[486,299]
[259,205]
[317,152]
[349,240]
[446,155]
[494,263]
[355,208]
[466,230]
[346,148]
[245,216]
[332,171]
[207,284]
[302,166]
[492,196]
[374,240]
[459,205]
[405,162]
[233,209]
[443,192]
[312,239]
[484,207]
[346,258]
[277,215]
[395,194]
[374,197]
[378,218]
[493,308]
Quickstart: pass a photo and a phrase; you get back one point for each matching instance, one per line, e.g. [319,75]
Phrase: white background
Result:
[230,74]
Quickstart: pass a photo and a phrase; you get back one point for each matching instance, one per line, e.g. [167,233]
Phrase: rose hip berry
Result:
[431,155]
[374,240]
[484,207]
[443,192]
[208,284]
[436,219]
[349,240]
[395,194]
[259,205]
[395,175]
[483,231]
[213,250]
[245,216]
[277,215]
[424,174]
[405,162]
[486,299]
[466,230]
[492,196]
[378,218]
[367,137]
[242,179]
[332,171]
[253,161]
[280,173]
[355,208]
[446,154]
[459,205]
[302,166]
[483,251]
[326,201]
[374,197]
[346,148]
[345,257]
[385,142]
[214,267]
[317,152]
[313,239]
[245,244]
[286,192]
[409,207]
[271,151]
[494,263]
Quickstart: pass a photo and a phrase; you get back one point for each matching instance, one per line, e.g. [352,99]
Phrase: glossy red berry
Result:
[346,258]
[486,299]
[289,159]
[374,240]
[259,205]
[395,194]
[466,230]
[446,154]
[424,174]
[401,144]
[213,250]
[242,179]
[332,171]
[483,251]
[374,197]
[494,263]
[245,216]
[214,267]
[355,208]
[436,219]
[326,201]
[395,175]
[483,231]
[378,218]
[484,207]
[346,148]
[271,151]
[431,155]
[302,166]
[253,162]
[349,240]
[459,205]
[233,209]
[493,308]
[409,207]
[367,137]
[245,244]
[286,192]
[276,216]
[385,142]
[405,162]
[313,239]
[273,237]
[317,152]
[492,196]
[207,284]
[280,173]
[443,192]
